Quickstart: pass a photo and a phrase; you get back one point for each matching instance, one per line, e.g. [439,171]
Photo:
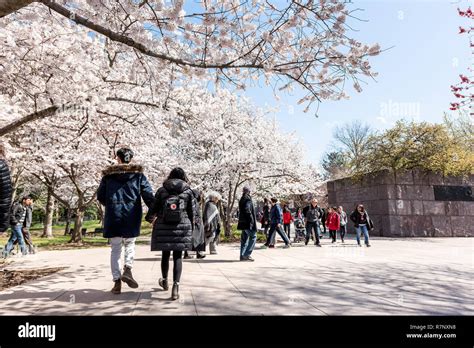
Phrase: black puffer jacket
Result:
[177,236]
[6,191]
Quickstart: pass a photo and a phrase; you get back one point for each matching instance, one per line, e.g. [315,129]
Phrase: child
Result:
[333,222]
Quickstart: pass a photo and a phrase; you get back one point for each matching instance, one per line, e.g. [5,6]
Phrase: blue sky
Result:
[414,76]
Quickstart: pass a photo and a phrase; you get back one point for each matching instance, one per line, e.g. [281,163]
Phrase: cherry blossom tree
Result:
[225,142]
[462,90]
[59,54]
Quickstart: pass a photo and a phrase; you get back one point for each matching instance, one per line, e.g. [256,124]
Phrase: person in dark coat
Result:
[18,216]
[248,225]
[121,189]
[174,211]
[276,222]
[199,240]
[313,215]
[6,191]
[362,223]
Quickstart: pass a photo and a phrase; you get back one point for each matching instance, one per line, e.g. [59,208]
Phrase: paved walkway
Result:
[396,276]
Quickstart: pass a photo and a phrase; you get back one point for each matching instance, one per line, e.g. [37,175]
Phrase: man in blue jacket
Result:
[120,191]
[276,222]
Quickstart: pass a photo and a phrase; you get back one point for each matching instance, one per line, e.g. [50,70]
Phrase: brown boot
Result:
[117,289]
[128,278]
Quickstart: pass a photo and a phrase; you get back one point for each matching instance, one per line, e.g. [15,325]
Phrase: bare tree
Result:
[352,139]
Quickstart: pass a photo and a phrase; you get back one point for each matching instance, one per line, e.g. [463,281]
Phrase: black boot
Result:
[117,289]
[163,283]
[128,278]
[175,291]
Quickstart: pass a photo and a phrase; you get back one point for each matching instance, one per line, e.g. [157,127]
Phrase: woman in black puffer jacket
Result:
[173,213]
[6,191]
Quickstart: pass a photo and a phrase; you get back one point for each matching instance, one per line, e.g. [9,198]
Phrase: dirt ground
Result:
[9,278]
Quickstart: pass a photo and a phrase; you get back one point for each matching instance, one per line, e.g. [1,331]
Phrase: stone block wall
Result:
[404,204]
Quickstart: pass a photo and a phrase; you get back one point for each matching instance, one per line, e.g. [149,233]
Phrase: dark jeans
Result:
[343,231]
[287,228]
[177,264]
[332,233]
[312,227]
[274,228]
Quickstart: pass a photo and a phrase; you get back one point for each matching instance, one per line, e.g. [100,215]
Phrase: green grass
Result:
[60,241]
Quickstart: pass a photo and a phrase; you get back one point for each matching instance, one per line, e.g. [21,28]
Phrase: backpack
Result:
[173,209]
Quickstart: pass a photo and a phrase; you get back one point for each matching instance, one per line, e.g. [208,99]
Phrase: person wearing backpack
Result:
[121,189]
[175,210]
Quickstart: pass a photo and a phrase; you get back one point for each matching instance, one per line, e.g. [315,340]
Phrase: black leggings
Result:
[177,264]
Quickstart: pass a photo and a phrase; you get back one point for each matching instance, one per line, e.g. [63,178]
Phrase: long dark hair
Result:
[178,173]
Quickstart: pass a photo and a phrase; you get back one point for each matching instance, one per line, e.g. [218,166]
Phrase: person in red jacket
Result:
[333,222]
[287,220]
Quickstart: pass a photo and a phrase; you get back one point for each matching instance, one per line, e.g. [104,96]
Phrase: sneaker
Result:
[359,244]
[163,283]
[271,246]
[247,258]
[306,242]
[318,245]
[342,240]
[287,246]
[200,256]
[368,245]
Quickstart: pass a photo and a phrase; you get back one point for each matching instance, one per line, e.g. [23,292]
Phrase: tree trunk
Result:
[9,6]
[101,211]
[68,221]
[48,216]
[76,236]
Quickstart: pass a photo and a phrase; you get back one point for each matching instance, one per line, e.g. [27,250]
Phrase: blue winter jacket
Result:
[120,191]
[276,215]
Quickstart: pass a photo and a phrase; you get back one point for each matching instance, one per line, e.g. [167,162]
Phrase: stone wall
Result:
[404,204]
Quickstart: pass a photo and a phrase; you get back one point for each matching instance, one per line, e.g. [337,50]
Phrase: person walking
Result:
[343,219]
[6,191]
[25,230]
[323,219]
[121,189]
[248,225]
[313,214]
[199,239]
[212,221]
[287,220]
[276,221]
[17,221]
[174,212]
[265,221]
[362,223]
[333,222]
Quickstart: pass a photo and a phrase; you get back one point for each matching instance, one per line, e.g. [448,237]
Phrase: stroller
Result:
[300,231]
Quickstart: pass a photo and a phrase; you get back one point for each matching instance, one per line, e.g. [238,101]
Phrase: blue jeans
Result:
[16,235]
[274,228]
[248,238]
[362,228]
